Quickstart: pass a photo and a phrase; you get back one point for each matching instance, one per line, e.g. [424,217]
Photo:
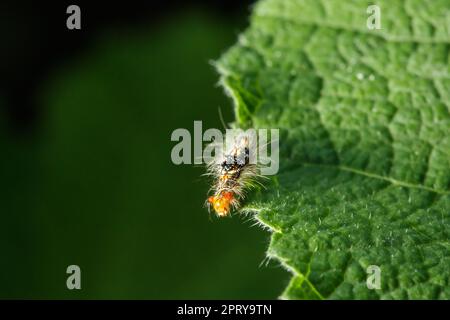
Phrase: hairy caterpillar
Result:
[234,173]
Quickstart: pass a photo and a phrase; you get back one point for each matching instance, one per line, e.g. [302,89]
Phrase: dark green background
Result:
[95,186]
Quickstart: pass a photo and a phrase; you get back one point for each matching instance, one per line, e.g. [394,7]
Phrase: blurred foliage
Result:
[96,187]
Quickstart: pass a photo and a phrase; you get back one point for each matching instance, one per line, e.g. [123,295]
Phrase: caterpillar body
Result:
[233,174]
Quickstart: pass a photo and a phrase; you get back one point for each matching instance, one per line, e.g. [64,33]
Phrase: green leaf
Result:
[364,138]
